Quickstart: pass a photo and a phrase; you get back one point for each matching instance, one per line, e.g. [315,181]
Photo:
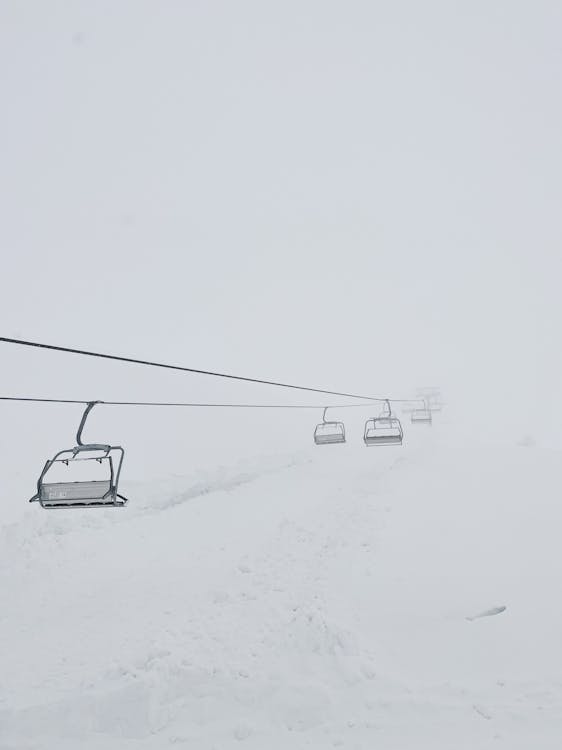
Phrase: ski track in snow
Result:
[305,602]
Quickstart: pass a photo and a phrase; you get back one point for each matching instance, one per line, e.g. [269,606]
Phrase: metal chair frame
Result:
[421,414]
[337,436]
[385,421]
[59,498]
[432,397]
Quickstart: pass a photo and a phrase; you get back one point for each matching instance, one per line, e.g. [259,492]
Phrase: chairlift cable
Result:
[182,404]
[228,376]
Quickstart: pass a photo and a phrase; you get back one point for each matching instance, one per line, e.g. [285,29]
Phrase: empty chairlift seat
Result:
[383,430]
[432,398]
[86,476]
[421,415]
[327,433]
[55,490]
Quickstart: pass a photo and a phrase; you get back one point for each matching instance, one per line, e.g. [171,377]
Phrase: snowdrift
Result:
[310,601]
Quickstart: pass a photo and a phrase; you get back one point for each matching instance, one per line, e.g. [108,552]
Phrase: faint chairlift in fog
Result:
[421,415]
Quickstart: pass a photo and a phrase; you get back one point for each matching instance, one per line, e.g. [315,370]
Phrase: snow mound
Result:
[309,602]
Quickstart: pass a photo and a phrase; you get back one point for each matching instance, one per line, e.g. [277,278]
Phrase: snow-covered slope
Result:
[311,601]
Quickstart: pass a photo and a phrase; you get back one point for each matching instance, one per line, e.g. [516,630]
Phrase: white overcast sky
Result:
[356,195]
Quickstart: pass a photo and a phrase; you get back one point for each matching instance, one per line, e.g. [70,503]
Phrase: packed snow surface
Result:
[333,598]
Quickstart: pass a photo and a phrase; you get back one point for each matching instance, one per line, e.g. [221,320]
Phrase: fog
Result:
[358,196]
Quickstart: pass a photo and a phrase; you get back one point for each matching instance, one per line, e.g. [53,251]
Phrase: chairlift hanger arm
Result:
[87,410]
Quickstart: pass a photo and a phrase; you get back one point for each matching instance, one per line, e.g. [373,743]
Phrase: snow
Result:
[312,600]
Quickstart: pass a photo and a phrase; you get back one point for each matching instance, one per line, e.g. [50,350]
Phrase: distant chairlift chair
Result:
[327,433]
[384,429]
[421,415]
[432,398]
[90,493]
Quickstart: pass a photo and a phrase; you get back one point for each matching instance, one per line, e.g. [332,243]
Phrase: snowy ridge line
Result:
[33,527]
[222,479]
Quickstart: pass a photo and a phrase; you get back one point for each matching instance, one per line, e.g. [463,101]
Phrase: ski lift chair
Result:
[421,415]
[384,429]
[432,397]
[100,492]
[328,433]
